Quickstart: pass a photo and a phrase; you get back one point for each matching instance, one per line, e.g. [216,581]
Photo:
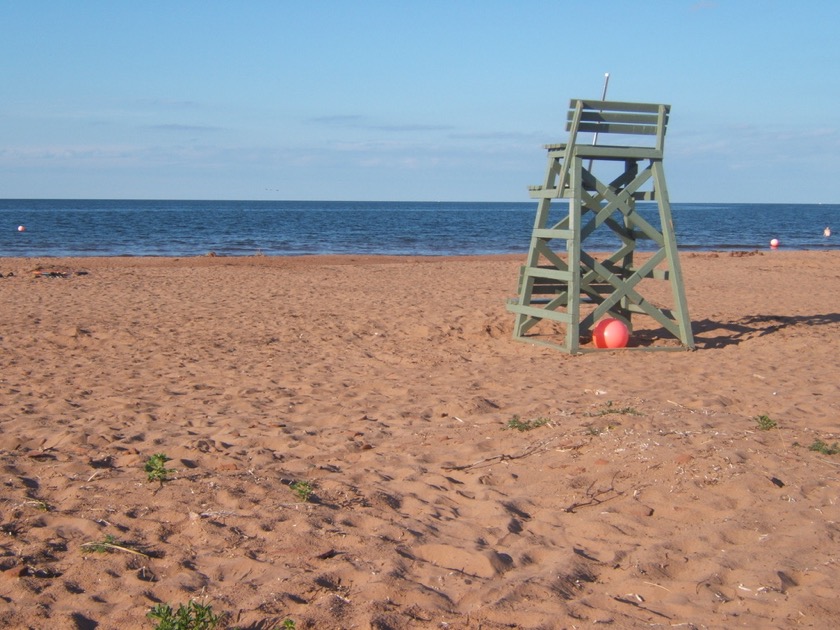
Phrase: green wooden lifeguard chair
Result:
[562,297]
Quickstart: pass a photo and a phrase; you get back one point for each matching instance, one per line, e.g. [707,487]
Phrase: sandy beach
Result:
[358,442]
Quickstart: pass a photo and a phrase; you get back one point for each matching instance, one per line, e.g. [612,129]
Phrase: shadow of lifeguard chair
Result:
[552,290]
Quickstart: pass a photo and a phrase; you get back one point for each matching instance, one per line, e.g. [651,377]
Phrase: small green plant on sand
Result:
[193,616]
[156,468]
[765,423]
[822,447]
[525,425]
[108,544]
[288,624]
[303,490]
[101,546]
[38,504]
[625,411]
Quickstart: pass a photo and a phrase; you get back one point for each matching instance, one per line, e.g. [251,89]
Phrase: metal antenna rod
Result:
[603,98]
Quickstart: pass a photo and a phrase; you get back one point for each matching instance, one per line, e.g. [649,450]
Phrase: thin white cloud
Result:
[165,103]
[25,155]
[341,120]
[352,121]
[495,135]
[181,127]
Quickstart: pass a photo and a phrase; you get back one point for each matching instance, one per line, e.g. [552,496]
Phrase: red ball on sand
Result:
[610,333]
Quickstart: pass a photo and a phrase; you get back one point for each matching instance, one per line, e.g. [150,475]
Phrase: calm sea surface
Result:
[243,228]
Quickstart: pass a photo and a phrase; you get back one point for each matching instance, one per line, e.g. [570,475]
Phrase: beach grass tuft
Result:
[822,447]
[610,409]
[156,468]
[765,422]
[192,616]
[108,544]
[518,424]
[303,490]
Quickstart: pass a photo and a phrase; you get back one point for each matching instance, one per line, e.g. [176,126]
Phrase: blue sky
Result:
[407,100]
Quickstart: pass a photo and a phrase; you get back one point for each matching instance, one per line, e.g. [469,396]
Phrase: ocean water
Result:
[275,228]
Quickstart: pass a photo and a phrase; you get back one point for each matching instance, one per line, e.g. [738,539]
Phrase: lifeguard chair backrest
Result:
[615,117]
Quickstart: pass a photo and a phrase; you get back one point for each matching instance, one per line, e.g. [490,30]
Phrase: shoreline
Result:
[364,258]
[270,260]
[683,250]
